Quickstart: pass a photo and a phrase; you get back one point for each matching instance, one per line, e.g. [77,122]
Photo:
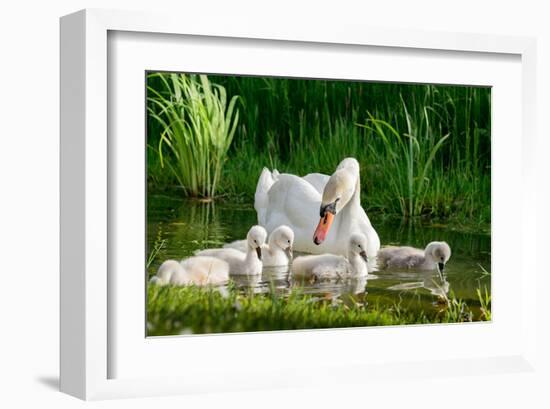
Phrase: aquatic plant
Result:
[455,309]
[408,158]
[485,303]
[197,127]
[158,245]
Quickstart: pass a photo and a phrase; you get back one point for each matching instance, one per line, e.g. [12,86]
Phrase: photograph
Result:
[277,203]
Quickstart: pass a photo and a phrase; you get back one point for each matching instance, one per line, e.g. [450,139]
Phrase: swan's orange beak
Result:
[322,228]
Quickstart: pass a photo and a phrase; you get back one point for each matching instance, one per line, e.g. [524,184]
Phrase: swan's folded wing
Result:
[293,202]
[321,266]
[223,253]
[403,258]
[261,199]
[416,260]
[237,245]
[317,180]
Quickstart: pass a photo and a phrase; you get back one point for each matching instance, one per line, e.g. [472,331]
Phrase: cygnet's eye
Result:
[255,242]
[359,245]
[288,241]
[441,258]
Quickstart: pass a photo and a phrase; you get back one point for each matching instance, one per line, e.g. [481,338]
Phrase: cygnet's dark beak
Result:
[259,252]
[440,268]
[363,254]
[288,252]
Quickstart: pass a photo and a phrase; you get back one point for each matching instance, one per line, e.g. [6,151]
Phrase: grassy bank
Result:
[424,150]
[192,310]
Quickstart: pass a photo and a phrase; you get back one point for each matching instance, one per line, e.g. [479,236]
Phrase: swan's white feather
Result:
[192,271]
[241,263]
[414,258]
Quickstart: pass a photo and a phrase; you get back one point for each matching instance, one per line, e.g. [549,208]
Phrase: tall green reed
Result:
[197,127]
[408,158]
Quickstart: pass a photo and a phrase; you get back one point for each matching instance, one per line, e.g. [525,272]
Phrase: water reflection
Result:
[433,282]
[278,280]
[188,226]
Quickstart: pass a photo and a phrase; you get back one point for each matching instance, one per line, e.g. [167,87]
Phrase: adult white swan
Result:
[294,201]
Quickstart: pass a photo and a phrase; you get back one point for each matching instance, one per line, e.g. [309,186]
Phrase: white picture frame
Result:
[87,327]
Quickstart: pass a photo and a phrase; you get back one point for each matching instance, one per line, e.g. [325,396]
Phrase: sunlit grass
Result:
[197,126]
[485,303]
[158,245]
[408,158]
[194,310]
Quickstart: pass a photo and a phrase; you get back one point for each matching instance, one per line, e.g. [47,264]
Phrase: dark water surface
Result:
[190,225]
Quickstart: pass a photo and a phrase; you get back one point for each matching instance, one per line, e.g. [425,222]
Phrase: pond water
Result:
[185,226]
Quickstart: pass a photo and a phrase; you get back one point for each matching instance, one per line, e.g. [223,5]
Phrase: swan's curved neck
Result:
[354,204]
[356,263]
[250,254]
[347,219]
[356,198]
[272,246]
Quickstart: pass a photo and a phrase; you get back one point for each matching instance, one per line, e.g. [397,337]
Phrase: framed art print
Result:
[238,203]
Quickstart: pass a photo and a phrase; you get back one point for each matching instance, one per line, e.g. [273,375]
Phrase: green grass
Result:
[197,127]
[409,157]
[485,303]
[424,150]
[194,310]
[157,247]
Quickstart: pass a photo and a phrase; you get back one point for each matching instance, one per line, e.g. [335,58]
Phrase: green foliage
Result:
[194,310]
[485,303]
[197,127]
[409,158]
[158,245]
[455,309]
